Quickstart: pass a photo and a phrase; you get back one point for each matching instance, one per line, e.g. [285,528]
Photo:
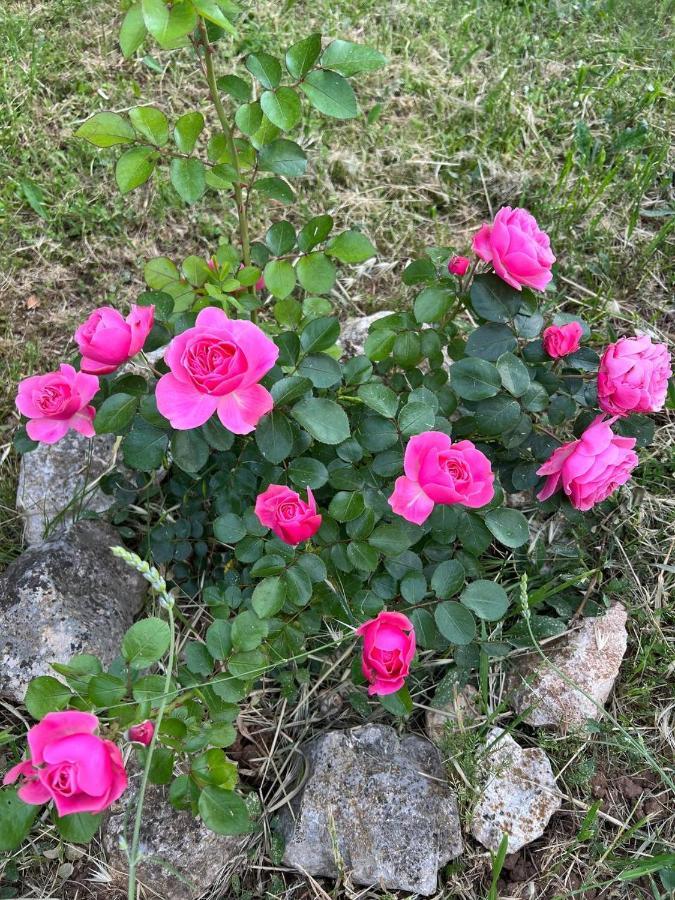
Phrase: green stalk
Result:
[133,853]
[232,147]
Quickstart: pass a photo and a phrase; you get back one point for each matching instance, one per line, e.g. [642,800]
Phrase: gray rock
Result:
[68,595]
[354,332]
[55,482]
[181,858]
[519,795]
[590,658]
[376,807]
[460,710]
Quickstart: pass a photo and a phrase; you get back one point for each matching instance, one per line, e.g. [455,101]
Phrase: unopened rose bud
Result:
[142,734]
[212,264]
[458,265]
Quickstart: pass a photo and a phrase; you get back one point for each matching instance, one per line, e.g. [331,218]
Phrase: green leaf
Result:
[187,130]
[280,238]
[150,123]
[16,819]
[283,158]
[146,642]
[106,690]
[182,20]
[380,398]
[133,30]
[474,379]
[274,189]
[486,598]
[155,16]
[455,622]
[314,232]
[307,472]
[236,87]
[316,273]
[514,374]
[144,447]
[398,704]
[229,529]
[301,57]
[490,341]
[274,436]
[351,247]
[269,597]
[190,450]
[35,197]
[248,631]
[279,277]
[134,167]
[493,299]
[115,414]
[46,694]
[349,58]
[346,506]
[390,539]
[223,811]
[416,417]
[265,68]
[290,388]
[77,828]
[320,334]
[106,129]
[496,415]
[323,419]
[210,10]
[219,639]
[188,178]
[282,107]
[330,93]
[448,578]
[198,658]
[249,118]
[426,633]
[379,344]
[407,350]
[432,304]
[509,526]
[322,370]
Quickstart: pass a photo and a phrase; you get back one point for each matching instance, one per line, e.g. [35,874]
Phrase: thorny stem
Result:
[232,147]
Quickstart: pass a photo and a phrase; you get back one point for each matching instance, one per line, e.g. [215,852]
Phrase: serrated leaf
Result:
[300,57]
[187,130]
[330,94]
[282,107]
[106,129]
[349,58]
[283,157]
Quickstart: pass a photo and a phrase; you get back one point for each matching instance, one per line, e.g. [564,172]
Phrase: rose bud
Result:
[561,340]
[284,511]
[142,733]
[459,265]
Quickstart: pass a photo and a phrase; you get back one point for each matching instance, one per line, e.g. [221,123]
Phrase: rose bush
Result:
[304,498]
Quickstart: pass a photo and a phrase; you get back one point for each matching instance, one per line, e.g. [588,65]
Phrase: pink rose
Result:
[216,366]
[459,265]
[438,471]
[633,376]
[519,251]
[287,514]
[70,765]
[56,402]
[142,734]
[561,340]
[591,468]
[107,340]
[388,649]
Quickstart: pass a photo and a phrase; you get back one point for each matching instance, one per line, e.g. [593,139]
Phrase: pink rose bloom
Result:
[438,471]
[519,251]
[56,402]
[287,514]
[633,376]
[70,765]
[561,340]
[216,367]
[459,265]
[107,340]
[388,650]
[142,734]
[591,468]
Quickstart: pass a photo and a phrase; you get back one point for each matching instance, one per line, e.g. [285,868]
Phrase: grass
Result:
[566,108]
